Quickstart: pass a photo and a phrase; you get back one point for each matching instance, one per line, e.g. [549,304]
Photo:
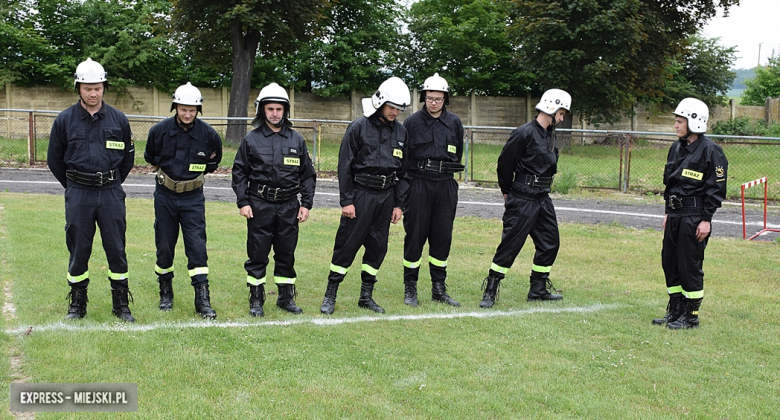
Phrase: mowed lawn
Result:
[593,355]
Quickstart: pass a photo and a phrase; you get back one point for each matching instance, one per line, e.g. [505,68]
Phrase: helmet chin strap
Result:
[280,124]
[184,126]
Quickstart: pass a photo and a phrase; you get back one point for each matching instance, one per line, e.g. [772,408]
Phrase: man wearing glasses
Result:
[435,151]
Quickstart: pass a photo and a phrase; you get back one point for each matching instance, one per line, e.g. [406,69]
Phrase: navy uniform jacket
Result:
[183,155]
[372,147]
[695,170]
[436,138]
[277,160]
[91,144]
[531,149]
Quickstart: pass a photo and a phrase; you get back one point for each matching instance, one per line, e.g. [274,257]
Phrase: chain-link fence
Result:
[619,160]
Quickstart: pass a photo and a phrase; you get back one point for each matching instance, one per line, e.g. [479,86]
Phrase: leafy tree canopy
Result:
[465,41]
[766,84]
[606,53]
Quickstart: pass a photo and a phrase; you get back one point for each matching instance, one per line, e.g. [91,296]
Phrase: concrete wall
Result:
[475,111]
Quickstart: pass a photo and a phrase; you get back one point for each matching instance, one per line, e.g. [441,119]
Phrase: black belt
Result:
[440,166]
[376,182]
[675,203]
[273,194]
[534,180]
[97,179]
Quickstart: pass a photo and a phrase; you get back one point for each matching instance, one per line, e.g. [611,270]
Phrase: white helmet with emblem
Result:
[392,91]
[272,93]
[696,112]
[89,72]
[187,95]
[553,100]
[436,83]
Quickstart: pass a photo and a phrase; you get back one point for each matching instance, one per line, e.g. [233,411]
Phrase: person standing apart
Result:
[526,168]
[272,167]
[435,152]
[372,189]
[695,178]
[91,152]
[183,149]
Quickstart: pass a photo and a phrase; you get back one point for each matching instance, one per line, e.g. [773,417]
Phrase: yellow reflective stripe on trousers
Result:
[198,270]
[284,280]
[498,268]
[336,269]
[437,263]
[255,282]
[410,264]
[368,269]
[674,289]
[699,294]
[541,268]
[76,279]
[118,276]
[160,270]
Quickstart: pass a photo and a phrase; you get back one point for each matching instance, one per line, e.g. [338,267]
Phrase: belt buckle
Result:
[441,165]
[111,175]
[675,202]
[276,191]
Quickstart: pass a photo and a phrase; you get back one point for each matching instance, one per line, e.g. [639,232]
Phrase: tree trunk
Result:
[244,52]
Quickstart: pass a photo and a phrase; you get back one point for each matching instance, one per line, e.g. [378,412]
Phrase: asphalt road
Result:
[626,210]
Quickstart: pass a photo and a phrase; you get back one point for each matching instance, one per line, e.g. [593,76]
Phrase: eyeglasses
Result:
[434,100]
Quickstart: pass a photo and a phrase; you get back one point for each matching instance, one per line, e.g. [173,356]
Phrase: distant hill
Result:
[742,74]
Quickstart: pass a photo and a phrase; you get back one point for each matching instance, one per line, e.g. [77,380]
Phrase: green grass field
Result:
[593,355]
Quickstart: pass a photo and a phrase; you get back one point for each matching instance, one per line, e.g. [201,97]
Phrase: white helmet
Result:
[393,91]
[696,112]
[187,95]
[272,93]
[553,100]
[89,72]
[436,83]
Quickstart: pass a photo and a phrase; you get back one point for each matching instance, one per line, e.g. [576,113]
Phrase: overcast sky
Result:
[751,23]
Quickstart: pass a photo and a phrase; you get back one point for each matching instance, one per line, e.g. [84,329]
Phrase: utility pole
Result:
[759,54]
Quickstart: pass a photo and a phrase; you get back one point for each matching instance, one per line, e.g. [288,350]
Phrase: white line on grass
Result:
[321,320]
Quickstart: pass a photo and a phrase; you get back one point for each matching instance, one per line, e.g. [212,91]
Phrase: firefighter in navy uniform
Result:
[526,168]
[272,167]
[435,151]
[695,177]
[372,188]
[91,153]
[183,148]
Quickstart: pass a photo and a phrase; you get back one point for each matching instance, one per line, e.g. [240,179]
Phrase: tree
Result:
[701,71]
[357,49]
[46,39]
[215,29]
[466,42]
[606,53]
[766,84]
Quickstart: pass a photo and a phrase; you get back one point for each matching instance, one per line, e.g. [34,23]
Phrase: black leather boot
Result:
[689,318]
[540,288]
[366,300]
[674,309]
[78,300]
[203,301]
[439,294]
[256,300]
[121,297]
[286,297]
[410,286]
[491,286]
[329,303]
[166,294]
[410,293]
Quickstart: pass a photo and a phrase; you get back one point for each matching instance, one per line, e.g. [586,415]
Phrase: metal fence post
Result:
[31,138]
[467,146]
[316,137]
